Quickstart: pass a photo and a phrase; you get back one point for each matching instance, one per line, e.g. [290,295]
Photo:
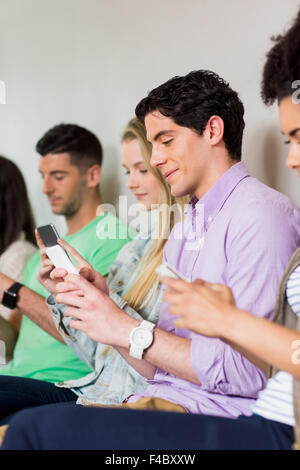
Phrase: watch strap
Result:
[10,295]
[135,350]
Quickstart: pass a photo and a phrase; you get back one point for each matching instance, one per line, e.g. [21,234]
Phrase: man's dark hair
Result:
[82,145]
[282,67]
[191,100]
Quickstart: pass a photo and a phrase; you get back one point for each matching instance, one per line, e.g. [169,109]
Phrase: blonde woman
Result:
[132,281]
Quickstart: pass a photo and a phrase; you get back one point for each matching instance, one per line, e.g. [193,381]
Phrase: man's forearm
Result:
[143,367]
[172,354]
[33,306]
[168,352]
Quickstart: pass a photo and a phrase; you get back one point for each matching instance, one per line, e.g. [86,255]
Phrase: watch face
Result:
[142,338]
[9,299]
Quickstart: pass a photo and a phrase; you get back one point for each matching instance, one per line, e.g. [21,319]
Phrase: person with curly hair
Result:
[281,72]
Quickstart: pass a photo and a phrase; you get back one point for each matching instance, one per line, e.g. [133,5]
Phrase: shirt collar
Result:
[218,194]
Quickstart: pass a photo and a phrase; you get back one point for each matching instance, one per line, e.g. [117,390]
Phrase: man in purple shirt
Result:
[237,231]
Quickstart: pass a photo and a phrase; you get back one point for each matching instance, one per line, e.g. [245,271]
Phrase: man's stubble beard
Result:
[70,209]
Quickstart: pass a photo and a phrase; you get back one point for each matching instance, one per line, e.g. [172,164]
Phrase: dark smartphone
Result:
[48,234]
[58,255]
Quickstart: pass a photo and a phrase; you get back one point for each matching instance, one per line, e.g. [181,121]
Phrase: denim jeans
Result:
[68,426]
[17,393]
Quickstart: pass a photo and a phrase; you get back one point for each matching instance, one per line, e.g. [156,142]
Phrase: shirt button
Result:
[209,219]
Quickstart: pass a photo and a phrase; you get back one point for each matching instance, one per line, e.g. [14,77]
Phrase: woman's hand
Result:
[94,312]
[49,276]
[44,274]
[84,268]
[201,306]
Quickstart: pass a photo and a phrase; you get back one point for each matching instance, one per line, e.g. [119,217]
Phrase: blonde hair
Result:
[147,280]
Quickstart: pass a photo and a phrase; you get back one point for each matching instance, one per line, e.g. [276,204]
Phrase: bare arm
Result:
[168,352]
[97,315]
[209,309]
[33,306]
[274,344]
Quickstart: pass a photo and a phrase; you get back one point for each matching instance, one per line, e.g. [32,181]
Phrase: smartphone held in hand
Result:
[168,271]
[55,252]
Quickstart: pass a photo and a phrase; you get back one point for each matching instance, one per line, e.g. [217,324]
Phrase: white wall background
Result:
[91,61]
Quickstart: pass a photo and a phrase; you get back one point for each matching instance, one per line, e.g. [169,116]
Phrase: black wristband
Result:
[10,296]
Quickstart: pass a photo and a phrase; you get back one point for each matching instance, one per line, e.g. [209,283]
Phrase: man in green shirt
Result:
[70,165]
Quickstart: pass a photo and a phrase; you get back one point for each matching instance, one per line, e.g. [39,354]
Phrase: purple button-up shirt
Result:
[240,233]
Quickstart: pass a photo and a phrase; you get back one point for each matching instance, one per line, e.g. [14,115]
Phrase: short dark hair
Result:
[191,100]
[82,145]
[15,210]
[282,66]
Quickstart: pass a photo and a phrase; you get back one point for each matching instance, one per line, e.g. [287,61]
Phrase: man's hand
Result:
[201,306]
[94,312]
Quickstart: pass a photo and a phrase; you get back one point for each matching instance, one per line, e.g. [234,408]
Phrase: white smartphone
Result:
[55,252]
[166,270]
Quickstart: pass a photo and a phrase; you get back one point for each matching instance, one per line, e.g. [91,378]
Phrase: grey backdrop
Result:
[90,61]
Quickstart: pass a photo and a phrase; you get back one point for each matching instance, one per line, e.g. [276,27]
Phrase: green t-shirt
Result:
[37,354]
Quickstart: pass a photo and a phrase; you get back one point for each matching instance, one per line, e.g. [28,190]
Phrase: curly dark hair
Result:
[192,99]
[282,67]
[82,145]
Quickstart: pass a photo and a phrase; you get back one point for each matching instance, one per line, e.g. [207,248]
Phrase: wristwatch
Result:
[141,338]
[10,296]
